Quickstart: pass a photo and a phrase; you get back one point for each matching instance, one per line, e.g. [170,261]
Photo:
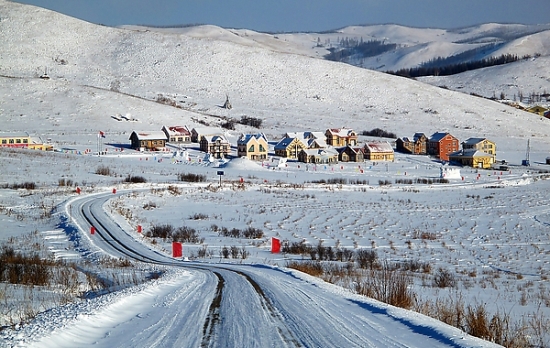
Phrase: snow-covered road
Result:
[225,305]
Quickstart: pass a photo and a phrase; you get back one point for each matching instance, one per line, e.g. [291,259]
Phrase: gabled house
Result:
[289,147]
[318,156]
[216,145]
[418,145]
[351,154]
[198,132]
[252,146]
[442,144]
[378,151]
[339,137]
[177,134]
[148,140]
[476,152]
[537,109]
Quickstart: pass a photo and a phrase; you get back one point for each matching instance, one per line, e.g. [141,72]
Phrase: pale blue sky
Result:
[302,15]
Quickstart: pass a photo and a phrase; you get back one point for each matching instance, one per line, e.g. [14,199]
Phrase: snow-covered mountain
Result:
[101,71]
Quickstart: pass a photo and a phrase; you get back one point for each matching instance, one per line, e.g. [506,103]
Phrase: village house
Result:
[23,140]
[252,146]
[418,145]
[318,156]
[378,151]
[216,145]
[441,145]
[476,152]
[289,148]
[339,137]
[351,154]
[537,109]
[177,134]
[199,132]
[148,140]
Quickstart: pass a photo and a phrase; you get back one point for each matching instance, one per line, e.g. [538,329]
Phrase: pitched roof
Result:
[285,142]
[438,136]
[150,135]
[342,132]
[379,146]
[178,130]
[245,138]
[473,141]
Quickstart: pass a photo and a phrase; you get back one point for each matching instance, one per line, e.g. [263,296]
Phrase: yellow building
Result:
[23,141]
[252,146]
[476,153]
[537,109]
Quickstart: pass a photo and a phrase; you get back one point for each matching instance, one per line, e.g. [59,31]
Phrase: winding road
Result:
[226,305]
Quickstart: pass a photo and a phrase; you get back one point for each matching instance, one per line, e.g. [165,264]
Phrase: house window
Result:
[251,148]
[262,148]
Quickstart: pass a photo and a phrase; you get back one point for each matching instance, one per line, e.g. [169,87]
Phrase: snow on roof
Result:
[283,144]
[342,132]
[379,146]
[150,135]
[245,138]
[14,135]
[178,130]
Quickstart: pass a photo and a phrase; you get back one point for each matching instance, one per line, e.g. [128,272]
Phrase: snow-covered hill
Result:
[96,72]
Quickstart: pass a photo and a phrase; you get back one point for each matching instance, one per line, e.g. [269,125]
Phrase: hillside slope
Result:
[100,71]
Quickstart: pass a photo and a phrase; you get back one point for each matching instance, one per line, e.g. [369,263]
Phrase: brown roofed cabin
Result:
[148,140]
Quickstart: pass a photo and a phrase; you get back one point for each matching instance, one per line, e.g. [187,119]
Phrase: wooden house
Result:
[148,140]
[177,134]
[199,132]
[441,145]
[252,146]
[216,145]
[318,156]
[339,137]
[378,151]
[418,145]
[351,154]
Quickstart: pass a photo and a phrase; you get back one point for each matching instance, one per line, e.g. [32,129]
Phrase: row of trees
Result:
[436,66]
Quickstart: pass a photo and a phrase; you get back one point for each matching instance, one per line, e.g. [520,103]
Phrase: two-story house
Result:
[418,145]
[216,145]
[442,144]
[476,152]
[252,146]
[339,137]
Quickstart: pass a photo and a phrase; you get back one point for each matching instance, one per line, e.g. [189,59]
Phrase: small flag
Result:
[101,134]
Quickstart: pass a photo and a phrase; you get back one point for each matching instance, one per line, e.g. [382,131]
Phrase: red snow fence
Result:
[275,245]
[177,249]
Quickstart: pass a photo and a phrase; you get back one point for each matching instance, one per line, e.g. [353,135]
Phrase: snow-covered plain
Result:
[491,230]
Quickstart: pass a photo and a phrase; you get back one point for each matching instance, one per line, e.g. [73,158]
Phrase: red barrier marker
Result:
[275,245]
